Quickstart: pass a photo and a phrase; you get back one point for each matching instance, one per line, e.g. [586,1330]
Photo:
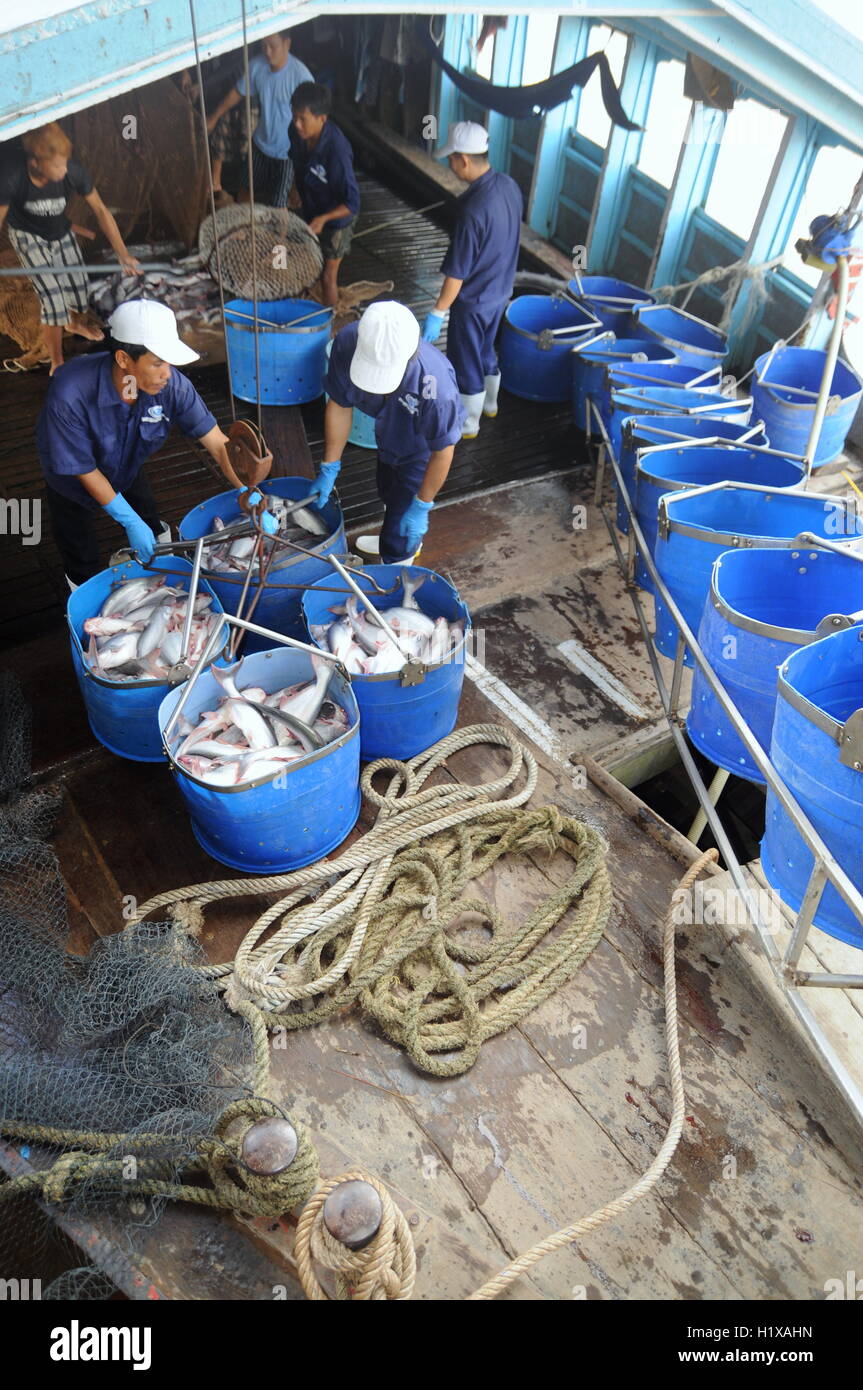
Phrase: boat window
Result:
[482,61]
[831,183]
[667,117]
[750,143]
[538,48]
[593,120]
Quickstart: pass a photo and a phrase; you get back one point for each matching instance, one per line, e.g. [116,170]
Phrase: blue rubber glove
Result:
[269,523]
[141,538]
[432,326]
[415,523]
[325,482]
[253,498]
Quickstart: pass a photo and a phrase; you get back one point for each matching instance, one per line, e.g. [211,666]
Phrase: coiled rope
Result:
[384,1269]
[387,932]
[97,1163]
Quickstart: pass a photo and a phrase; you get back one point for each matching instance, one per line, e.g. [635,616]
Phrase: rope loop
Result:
[385,1269]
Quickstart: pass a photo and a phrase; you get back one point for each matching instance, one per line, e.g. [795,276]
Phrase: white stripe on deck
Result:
[515,710]
[601,677]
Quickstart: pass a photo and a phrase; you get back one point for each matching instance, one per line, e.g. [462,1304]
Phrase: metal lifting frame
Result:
[825,868]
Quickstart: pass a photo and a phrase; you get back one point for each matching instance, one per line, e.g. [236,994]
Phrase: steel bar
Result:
[190,602]
[829,364]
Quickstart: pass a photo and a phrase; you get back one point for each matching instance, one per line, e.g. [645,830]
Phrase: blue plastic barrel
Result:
[362,426]
[611,301]
[643,431]
[292,356]
[589,363]
[399,721]
[695,527]
[679,467]
[819,687]
[278,608]
[691,339]
[784,393]
[538,334]
[620,397]
[763,605]
[292,817]
[123,715]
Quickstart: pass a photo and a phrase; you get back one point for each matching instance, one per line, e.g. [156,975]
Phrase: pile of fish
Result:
[303,527]
[138,632]
[251,734]
[363,647]
[188,288]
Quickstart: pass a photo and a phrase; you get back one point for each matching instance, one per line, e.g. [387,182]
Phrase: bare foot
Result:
[85,326]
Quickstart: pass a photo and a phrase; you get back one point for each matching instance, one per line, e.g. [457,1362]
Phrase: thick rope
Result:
[386,932]
[91,1162]
[384,1269]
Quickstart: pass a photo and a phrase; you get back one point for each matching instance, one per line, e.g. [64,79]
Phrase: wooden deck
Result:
[763,1199]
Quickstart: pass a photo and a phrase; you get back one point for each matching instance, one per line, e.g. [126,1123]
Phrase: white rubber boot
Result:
[492,386]
[164,535]
[473,405]
[72,587]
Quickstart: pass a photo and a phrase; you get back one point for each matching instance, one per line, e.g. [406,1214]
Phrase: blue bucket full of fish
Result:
[225,564]
[267,759]
[679,467]
[538,334]
[645,431]
[695,527]
[691,339]
[609,300]
[399,718]
[589,363]
[126,627]
[763,605]
[819,689]
[292,339]
[785,392]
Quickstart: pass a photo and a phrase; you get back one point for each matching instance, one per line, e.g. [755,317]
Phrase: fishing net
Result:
[125,1084]
[288,256]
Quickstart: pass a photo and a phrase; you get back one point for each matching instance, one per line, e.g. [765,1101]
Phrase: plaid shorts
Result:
[59,295]
[228,140]
[273,178]
[336,241]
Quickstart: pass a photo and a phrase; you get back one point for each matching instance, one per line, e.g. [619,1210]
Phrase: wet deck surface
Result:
[761,1201]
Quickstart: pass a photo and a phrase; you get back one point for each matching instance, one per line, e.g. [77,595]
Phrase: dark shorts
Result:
[336,241]
[273,179]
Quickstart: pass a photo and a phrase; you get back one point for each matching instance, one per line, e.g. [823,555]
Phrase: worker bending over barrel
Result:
[325,182]
[479,268]
[103,417]
[382,367]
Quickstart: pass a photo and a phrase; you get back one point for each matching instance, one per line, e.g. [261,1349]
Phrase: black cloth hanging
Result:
[520,102]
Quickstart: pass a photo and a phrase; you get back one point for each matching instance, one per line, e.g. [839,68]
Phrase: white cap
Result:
[388,337]
[153,326]
[465,137]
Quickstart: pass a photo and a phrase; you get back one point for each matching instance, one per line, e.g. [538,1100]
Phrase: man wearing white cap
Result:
[381,366]
[104,415]
[479,268]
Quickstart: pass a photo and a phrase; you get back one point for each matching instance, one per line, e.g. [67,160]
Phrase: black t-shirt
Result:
[41,211]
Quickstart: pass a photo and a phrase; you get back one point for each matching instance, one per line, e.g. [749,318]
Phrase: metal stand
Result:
[825,868]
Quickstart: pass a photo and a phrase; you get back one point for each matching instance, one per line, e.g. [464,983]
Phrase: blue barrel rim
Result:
[643,296]
[448,660]
[733,539]
[774,387]
[736,618]
[813,713]
[281,328]
[320,542]
[140,684]
[679,343]
[622,396]
[592,325]
[642,466]
[296,766]
[631,430]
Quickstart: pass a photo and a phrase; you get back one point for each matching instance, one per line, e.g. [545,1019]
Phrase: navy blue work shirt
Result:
[484,247]
[85,424]
[325,175]
[424,414]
